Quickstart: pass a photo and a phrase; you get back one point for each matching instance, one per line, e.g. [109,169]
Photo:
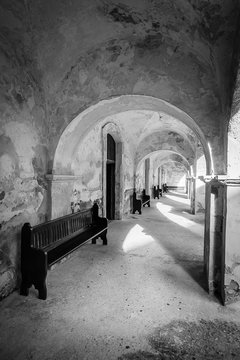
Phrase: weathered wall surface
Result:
[140,177]
[23,142]
[234,132]
[85,184]
[232,260]
[177,51]
[88,165]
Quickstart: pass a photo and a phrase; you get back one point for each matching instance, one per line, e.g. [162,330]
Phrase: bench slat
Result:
[56,254]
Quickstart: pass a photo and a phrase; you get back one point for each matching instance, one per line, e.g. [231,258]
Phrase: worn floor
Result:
[140,297]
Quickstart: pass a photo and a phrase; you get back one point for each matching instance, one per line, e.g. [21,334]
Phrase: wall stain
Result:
[2,195]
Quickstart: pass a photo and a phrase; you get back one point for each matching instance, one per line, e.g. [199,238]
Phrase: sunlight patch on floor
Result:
[180,220]
[178,199]
[136,238]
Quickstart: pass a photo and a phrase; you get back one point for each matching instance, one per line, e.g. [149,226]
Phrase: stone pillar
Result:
[155,177]
[192,195]
[221,241]
[147,170]
[214,238]
[232,243]
[160,177]
[192,189]
[232,189]
[199,184]
[188,186]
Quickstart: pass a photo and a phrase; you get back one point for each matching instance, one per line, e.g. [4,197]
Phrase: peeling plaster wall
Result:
[140,177]
[88,165]
[234,133]
[85,184]
[232,260]
[23,142]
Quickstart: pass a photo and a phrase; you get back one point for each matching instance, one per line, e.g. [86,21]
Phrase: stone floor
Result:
[140,297]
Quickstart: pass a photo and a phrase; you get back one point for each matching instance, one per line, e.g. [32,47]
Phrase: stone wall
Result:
[23,142]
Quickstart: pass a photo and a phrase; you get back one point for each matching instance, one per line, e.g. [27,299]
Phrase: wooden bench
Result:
[137,204]
[145,198]
[157,192]
[45,244]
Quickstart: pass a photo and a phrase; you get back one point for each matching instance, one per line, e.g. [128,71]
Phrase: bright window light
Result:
[136,238]
[210,151]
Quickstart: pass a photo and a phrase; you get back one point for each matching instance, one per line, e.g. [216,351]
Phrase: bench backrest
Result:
[47,233]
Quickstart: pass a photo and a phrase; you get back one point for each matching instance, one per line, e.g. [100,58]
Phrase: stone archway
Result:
[106,116]
[79,126]
[105,111]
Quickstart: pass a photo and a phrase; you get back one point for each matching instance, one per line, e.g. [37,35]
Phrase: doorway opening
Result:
[110,177]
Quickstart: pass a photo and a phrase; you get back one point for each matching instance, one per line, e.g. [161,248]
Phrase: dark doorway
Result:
[110,177]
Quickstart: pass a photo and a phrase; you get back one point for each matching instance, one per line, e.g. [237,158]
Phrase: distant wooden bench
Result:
[157,192]
[145,198]
[45,244]
[137,204]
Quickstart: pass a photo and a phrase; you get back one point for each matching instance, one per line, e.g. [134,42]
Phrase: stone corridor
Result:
[140,297]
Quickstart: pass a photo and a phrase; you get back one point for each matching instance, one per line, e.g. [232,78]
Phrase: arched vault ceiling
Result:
[175,165]
[137,125]
[163,156]
[166,140]
[87,28]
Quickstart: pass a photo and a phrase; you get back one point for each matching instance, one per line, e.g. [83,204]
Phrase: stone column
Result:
[232,243]
[214,237]
[147,170]
[232,185]
[199,184]
[222,221]
[160,177]
[221,241]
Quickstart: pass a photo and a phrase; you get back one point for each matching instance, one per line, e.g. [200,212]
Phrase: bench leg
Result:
[24,289]
[42,291]
[94,241]
[40,274]
[104,238]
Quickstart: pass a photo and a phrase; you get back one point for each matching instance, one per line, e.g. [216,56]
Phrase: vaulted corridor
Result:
[140,297]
